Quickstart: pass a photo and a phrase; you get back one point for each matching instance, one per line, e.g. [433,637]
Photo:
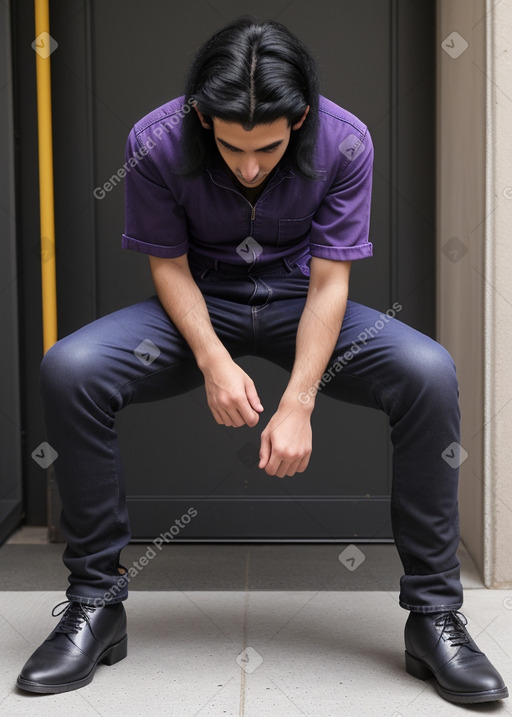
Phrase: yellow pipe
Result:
[46,202]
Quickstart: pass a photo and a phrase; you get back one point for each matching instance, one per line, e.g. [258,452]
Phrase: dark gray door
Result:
[116,63]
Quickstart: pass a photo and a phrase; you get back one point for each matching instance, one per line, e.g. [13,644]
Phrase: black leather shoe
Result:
[438,645]
[68,658]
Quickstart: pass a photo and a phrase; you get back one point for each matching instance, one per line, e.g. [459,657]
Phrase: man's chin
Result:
[251,184]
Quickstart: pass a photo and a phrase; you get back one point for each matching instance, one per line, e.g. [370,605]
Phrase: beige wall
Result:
[474,270]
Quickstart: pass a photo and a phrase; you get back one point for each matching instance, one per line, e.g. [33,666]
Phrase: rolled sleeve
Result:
[144,247]
[155,223]
[341,224]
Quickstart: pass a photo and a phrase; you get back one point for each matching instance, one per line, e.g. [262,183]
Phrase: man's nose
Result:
[250,169]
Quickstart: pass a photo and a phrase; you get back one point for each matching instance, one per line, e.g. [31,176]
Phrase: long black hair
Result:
[251,73]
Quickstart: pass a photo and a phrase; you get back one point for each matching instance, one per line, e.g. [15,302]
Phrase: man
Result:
[251,197]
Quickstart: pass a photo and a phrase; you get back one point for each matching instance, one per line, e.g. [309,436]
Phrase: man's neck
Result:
[252,194]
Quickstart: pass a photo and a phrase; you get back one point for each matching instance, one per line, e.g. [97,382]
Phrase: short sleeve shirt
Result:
[168,215]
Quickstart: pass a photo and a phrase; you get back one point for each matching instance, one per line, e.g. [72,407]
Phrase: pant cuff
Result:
[430,608]
[100,601]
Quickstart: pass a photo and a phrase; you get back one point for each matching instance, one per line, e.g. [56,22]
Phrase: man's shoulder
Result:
[340,129]
[171,113]
[336,118]
[158,133]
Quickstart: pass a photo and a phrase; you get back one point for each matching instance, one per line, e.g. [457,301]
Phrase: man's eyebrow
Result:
[260,149]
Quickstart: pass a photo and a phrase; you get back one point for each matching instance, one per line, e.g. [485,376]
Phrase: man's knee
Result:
[66,364]
[431,367]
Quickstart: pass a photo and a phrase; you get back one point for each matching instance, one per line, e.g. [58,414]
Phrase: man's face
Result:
[251,155]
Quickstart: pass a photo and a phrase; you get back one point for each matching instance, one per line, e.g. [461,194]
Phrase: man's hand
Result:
[286,442]
[231,394]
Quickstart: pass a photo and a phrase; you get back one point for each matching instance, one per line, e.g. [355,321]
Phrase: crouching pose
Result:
[251,197]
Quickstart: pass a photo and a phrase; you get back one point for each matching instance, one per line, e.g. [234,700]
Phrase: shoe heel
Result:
[116,652]
[416,668]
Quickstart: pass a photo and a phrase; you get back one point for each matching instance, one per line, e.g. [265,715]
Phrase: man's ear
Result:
[299,124]
[204,124]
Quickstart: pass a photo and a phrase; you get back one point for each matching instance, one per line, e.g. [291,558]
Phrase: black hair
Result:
[251,73]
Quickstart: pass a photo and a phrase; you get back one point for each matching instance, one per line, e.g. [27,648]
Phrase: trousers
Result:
[378,362]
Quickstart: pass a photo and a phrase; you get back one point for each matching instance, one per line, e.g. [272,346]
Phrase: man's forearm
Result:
[317,335]
[185,305]
[318,331]
[286,442]
[230,392]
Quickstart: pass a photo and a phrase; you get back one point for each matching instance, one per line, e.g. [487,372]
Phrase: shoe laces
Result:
[453,626]
[75,616]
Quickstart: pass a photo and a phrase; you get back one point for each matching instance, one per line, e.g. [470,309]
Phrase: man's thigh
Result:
[137,353]
[373,353]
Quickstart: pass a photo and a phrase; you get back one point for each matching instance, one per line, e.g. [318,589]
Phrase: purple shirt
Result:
[167,215]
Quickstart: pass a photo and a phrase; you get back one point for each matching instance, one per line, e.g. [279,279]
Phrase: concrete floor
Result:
[253,653]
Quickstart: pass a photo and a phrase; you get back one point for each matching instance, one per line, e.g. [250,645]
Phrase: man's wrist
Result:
[208,358]
[293,400]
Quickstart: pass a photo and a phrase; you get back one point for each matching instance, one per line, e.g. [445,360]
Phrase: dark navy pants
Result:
[91,374]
